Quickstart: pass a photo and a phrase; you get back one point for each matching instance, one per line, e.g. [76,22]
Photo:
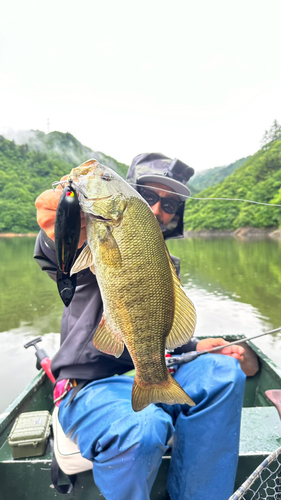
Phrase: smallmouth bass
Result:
[145,307]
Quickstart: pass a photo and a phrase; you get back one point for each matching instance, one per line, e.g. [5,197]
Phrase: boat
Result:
[30,478]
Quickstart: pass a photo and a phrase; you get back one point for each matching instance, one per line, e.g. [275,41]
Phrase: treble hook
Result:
[70,182]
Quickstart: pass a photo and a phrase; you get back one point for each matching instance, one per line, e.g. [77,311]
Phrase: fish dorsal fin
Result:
[84,261]
[106,340]
[184,317]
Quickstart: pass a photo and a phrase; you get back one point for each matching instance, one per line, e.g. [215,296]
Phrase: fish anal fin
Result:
[83,261]
[184,321]
[169,392]
[106,340]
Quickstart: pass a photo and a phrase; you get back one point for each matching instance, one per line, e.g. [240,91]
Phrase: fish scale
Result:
[141,290]
[144,305]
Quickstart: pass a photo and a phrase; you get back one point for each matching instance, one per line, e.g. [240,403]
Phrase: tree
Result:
[271,135]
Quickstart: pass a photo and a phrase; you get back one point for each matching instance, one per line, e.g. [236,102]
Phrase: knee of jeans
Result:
[228,373]
[154,430]
[136,437]
[211,364]
[228,364]
[132,442]
[156,438]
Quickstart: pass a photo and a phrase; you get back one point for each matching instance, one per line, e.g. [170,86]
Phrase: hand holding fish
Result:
[47,204]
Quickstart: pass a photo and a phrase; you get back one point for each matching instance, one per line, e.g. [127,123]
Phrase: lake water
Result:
[235,286]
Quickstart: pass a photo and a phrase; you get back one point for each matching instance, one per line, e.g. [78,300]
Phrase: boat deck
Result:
[254,447]
[30,478]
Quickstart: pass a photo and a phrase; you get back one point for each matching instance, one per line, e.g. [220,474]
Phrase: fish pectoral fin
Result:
[184,317]
[84,261]
[106,340]
[169,392]
[109,250]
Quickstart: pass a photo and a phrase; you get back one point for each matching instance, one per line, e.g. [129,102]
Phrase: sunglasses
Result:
[169,205]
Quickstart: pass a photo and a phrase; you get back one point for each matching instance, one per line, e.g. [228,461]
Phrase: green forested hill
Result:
[212,176]
[28,169]
[259,179]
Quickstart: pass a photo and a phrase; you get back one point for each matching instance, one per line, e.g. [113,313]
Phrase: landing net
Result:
[264,482]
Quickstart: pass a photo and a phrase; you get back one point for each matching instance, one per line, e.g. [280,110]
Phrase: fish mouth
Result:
[98,217]
[99,198]
[95,216]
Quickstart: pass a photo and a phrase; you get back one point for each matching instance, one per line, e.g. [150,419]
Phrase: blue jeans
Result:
[127,447]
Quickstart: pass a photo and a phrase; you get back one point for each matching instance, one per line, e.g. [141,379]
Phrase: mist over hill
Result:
[65,145]
[29,164]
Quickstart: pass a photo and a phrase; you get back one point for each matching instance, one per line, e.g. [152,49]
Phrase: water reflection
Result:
[245,271]
[27,295]
[235,286]
[29,307]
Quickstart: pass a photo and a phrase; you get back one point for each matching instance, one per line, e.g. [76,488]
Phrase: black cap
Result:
[148,167]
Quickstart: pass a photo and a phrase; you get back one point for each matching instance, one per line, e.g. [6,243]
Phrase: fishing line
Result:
[179,194]
[236,199]
[200,199]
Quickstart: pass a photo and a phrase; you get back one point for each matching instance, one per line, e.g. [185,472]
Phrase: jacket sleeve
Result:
[190,346]
[45,254]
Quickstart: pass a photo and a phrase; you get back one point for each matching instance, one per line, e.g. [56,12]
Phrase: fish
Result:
[145,307]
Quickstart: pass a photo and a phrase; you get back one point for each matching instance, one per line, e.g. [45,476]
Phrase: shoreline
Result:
[242,233]
[14,235]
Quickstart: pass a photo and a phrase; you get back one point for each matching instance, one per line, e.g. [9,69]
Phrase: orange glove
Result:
[47,204]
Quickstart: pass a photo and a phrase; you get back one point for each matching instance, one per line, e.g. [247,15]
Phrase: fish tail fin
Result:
[169,392]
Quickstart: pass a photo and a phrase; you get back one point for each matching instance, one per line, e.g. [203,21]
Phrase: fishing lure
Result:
[67,234]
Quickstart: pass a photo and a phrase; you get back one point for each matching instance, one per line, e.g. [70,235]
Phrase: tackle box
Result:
[29,435]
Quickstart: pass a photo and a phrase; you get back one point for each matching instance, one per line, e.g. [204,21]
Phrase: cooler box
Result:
[29,435]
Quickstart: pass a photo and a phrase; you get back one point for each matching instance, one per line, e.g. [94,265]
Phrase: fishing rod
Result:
[189,356]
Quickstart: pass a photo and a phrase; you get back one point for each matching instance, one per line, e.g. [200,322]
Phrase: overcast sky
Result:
[200,81]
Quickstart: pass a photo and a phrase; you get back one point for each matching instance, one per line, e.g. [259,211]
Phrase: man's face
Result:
[161,190]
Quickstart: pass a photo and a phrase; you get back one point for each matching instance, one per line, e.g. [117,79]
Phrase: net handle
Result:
[274,396]
[247,484]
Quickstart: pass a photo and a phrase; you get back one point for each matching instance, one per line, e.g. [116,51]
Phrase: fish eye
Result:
[106,176]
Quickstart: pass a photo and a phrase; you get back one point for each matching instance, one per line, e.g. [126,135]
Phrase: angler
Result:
[126,447]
